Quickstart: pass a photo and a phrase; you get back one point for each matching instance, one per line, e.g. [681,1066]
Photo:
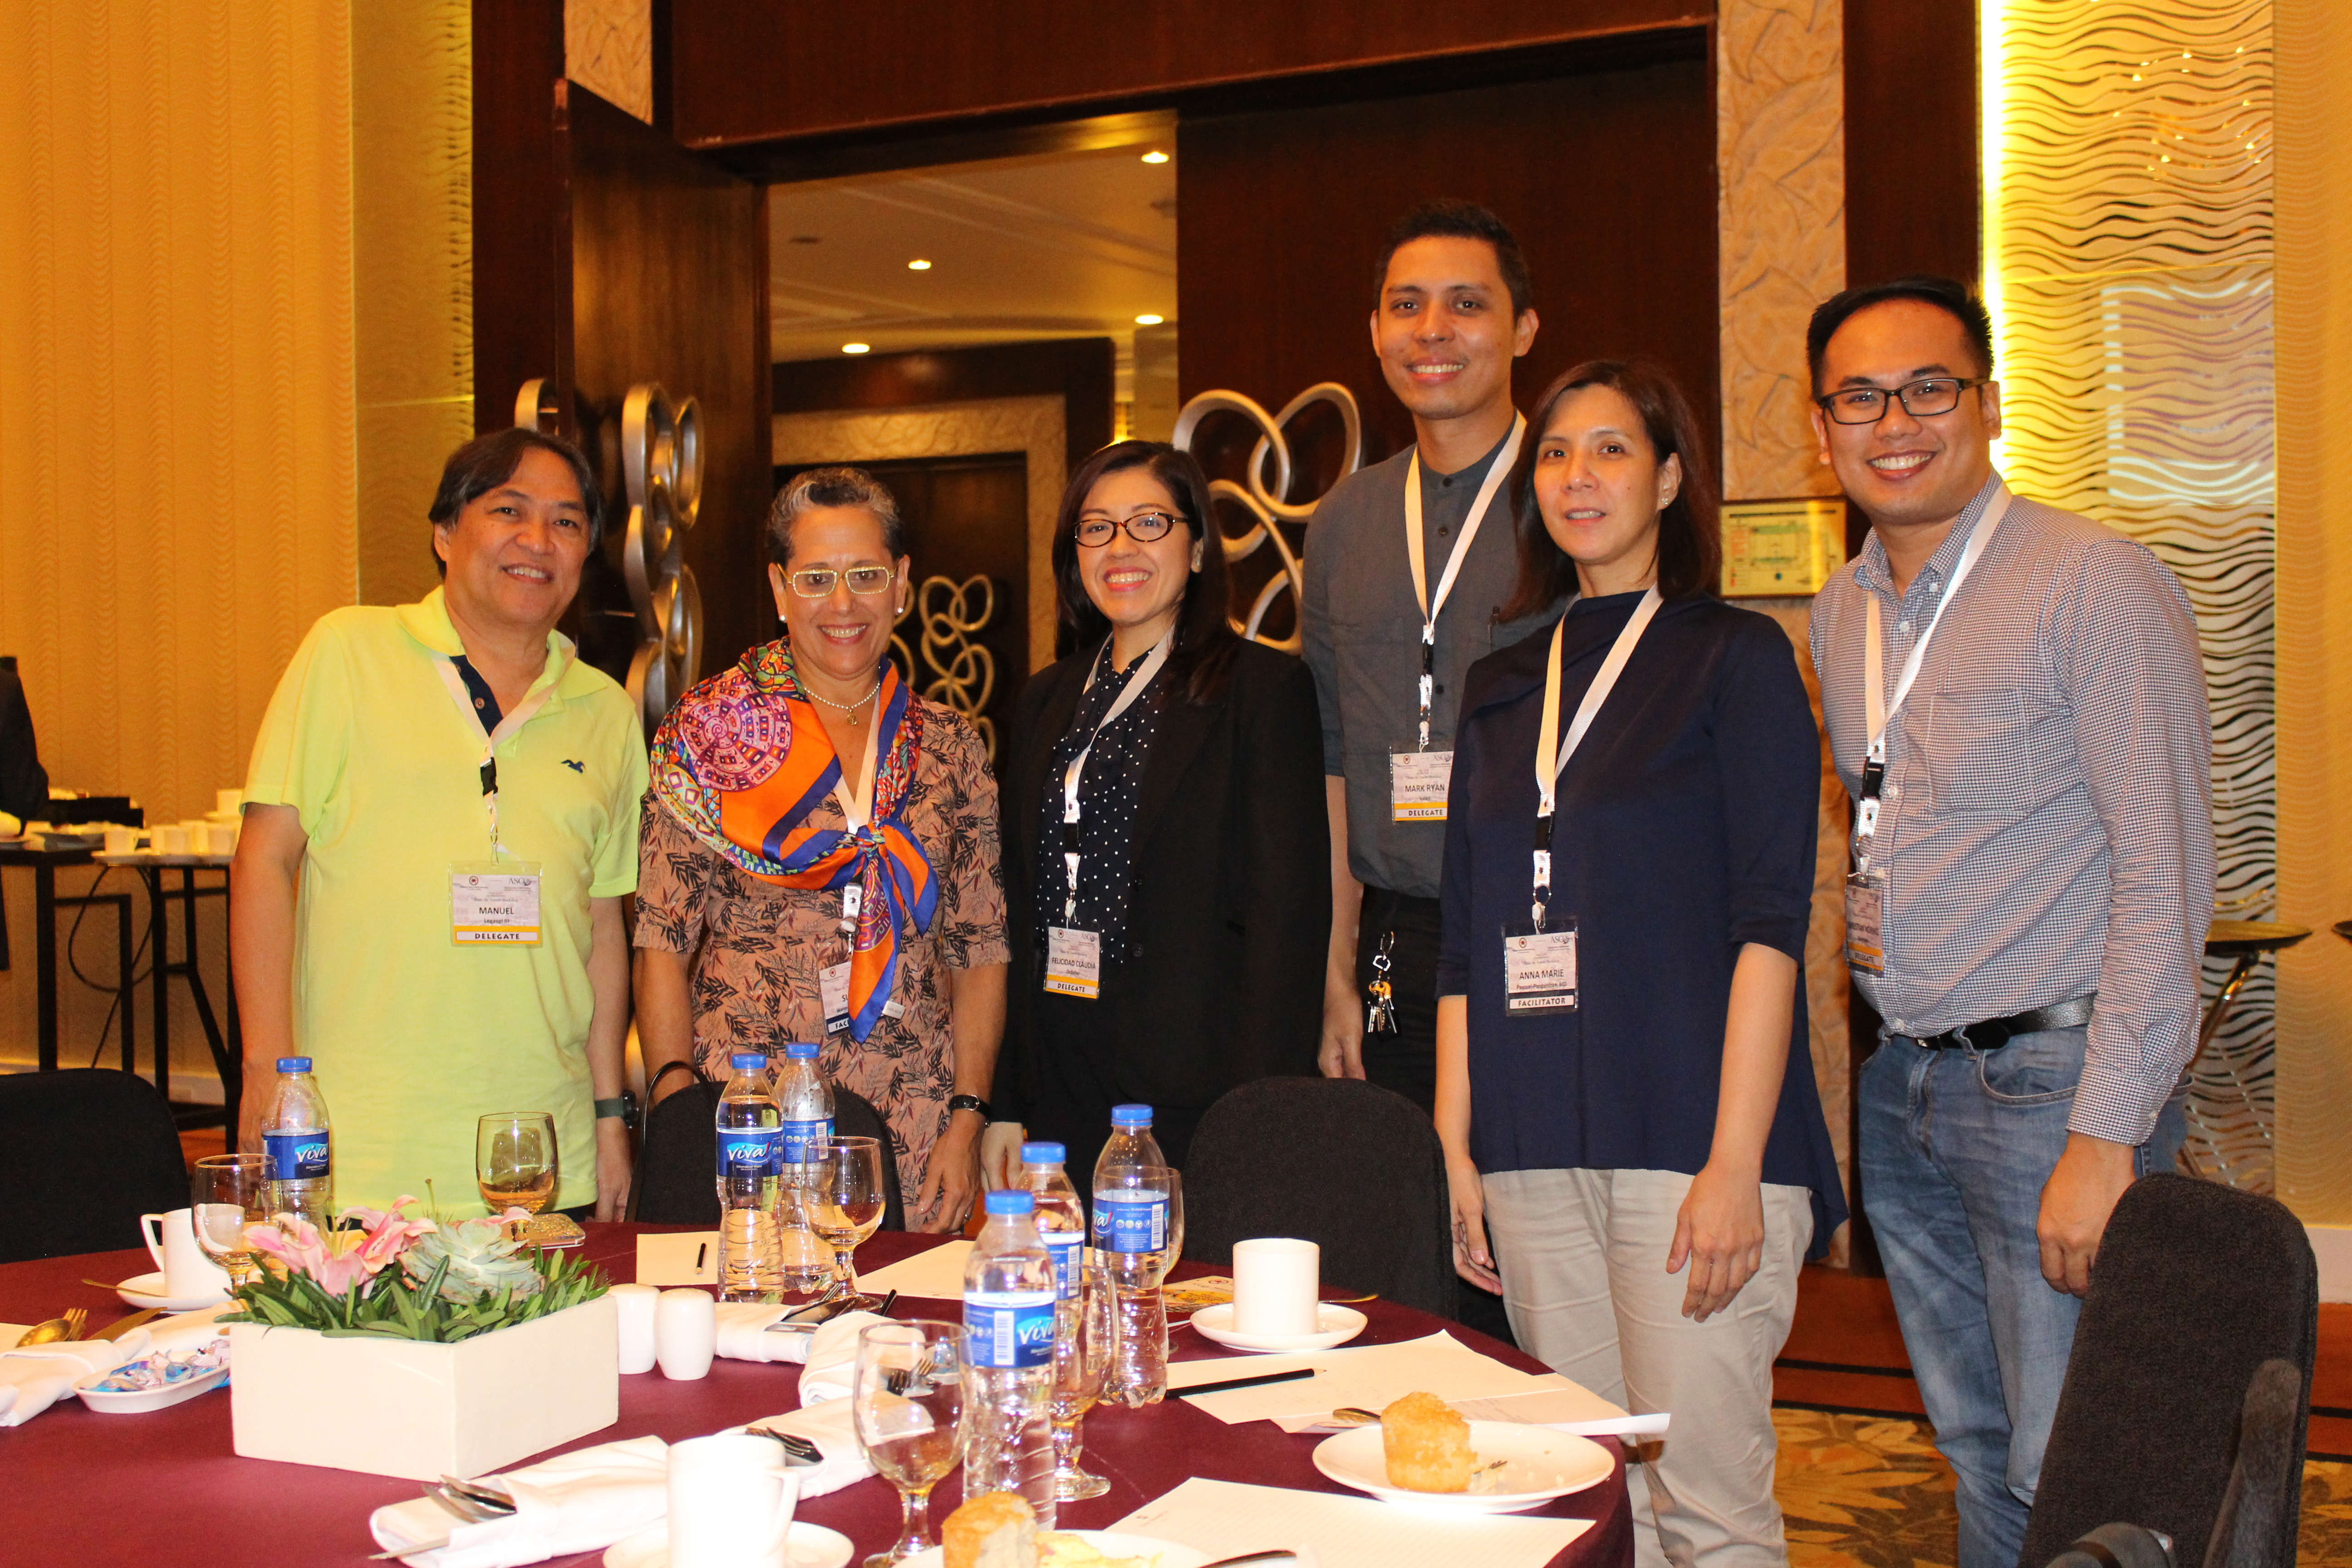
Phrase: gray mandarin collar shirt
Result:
[1362,627]
[2046,821]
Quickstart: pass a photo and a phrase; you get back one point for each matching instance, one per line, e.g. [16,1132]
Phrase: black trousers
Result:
[1076,1086]
[1406,929]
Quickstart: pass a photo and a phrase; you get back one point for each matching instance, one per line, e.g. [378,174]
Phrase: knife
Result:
[121,1326]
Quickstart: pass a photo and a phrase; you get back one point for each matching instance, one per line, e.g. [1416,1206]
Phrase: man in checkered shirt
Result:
[2031,880]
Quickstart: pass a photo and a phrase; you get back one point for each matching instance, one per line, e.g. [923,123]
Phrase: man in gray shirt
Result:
[2015,697]
[1391,629]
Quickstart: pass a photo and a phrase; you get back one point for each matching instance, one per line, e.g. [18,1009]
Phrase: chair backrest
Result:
[674,1183]
[1348,1166]
[2197,1285]
[101,1149]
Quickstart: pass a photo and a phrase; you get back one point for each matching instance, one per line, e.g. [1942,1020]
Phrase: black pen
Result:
[1246,1382]
[700,1252]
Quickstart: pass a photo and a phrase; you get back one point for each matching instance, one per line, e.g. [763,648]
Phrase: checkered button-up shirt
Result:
[2046,821]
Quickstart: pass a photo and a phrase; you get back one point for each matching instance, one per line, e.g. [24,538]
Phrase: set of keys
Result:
[1380,1018]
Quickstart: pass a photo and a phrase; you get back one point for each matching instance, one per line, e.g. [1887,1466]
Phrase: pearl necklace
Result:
[849,707]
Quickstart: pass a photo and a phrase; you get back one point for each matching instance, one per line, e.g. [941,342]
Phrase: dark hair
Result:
[834,487]
[1449,218]
[486,462]
[1204,655]
[1690,530]
[1955,299]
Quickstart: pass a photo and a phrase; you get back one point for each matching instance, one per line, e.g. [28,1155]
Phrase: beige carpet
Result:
[1871,1491]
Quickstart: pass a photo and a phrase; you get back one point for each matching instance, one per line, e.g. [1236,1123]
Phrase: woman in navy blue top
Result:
[1633,1134]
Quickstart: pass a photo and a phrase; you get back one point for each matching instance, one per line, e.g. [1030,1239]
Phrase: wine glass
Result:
[908,1405]
[1082,1355]
[227,1193]
[844,1207]
[515,1160]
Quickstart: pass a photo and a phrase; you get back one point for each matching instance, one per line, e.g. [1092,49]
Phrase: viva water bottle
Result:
[750,1139]
[1008,1322]
[1061,1220]
[298,1146]
[1134,1225]
[802,1095]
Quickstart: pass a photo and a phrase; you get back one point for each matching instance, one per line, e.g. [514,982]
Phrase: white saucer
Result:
[1336,1325]
[147,1291]
[1110,1544]
[1540,1464]
[806,1545]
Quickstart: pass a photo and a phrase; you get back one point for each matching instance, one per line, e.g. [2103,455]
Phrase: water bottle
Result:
[750,1138]
[298,1146]
[1132,1233]
[807,1103]
[1008,1333]
[1061,1221]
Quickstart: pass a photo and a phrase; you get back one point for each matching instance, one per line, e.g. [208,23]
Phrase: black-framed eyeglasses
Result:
[1144,528]
[817,582]
[1868,404]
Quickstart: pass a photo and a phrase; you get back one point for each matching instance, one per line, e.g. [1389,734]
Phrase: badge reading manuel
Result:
[494,903]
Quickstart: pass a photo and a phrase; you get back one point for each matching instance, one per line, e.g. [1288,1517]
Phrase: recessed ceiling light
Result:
[1155,156]
[856,348]
[918,265]
[1149,320]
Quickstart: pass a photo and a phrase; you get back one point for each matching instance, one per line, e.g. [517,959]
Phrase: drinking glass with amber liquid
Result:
[515,1160]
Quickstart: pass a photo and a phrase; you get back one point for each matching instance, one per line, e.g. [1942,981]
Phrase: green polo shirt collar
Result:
[428,622]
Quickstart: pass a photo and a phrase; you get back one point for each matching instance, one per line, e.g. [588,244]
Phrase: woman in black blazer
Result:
[1167,864]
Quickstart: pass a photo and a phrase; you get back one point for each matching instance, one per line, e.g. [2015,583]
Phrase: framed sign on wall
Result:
[1781,549]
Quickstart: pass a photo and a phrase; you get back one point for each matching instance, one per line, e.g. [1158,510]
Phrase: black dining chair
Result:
[675,1181]
[2188,1393]
[101,1149]
[1350,1166]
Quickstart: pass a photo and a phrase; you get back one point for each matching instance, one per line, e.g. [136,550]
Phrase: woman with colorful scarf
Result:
[818,860]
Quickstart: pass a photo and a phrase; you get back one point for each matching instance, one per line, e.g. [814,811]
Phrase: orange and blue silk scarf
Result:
[744,761]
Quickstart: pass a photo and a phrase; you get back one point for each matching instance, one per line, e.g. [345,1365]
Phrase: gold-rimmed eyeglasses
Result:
[817,582]
[1920,399]
[1144,528]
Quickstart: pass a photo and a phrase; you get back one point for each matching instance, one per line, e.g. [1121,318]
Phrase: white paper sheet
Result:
[669,1258]
[1555,1401]
[1227,1518]
[1371,1377]
[937,1273]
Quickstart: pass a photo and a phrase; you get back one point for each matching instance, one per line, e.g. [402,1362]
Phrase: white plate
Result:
[138,1401]
[1540,1465]
[1110,1544]
[805,1546]
[147,1291]
[1336,1325]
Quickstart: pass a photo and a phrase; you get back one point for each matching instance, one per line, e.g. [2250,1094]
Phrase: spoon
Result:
[67,1325]
[1355,1416]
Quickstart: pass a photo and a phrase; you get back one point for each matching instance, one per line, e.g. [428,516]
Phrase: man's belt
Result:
[1994,1033]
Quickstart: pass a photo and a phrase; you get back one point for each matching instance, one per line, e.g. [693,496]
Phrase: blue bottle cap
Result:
[748,1061]
[1130,1116]
[801,1051]
[1011,1200]
[293,1064]
[1042,1153]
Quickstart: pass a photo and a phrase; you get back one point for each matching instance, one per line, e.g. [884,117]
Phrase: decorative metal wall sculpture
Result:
[661,469]
[963,672]
[1264,501]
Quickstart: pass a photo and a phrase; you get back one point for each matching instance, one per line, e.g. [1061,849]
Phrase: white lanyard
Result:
[857,810]
[1496,472]
[1142,678]
[1553,752]
[508,724]
[1878,708]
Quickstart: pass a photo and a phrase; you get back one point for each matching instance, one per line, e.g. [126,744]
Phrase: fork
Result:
[798,1450]
[465,1508]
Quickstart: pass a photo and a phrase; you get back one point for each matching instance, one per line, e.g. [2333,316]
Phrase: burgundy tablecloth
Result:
[167,1489]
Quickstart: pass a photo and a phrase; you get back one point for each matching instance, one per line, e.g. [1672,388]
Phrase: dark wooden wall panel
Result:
[748,70]
[1608,179]
[523,276]
[1912,181]
[1082,372]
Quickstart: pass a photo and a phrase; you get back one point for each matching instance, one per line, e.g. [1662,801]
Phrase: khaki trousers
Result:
[1583,1259]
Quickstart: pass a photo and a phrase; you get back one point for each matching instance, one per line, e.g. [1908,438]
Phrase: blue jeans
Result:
[1956,1145]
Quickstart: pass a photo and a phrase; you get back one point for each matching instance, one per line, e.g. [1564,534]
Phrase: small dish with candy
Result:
[155,1382]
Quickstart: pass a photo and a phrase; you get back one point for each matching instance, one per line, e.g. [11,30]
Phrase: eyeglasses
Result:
[1143,528]
[817,582]
[1868,404]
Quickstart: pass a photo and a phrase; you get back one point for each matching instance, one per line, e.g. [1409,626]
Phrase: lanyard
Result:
[857,811]
[1878,708]
[508,724]
[1142,678]
[1551,749]
[1496,472]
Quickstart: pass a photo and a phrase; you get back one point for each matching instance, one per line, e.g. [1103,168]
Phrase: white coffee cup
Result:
[228,801]
[187,1272]
[634,1305]
[1277,1281]
[731,1501]
[220,837]
[686,1332]
[171,840]
[122,840]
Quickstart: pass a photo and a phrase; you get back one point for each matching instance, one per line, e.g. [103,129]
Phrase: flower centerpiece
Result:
[416,1347]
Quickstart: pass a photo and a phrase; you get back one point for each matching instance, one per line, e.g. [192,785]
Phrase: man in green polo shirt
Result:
[440,824]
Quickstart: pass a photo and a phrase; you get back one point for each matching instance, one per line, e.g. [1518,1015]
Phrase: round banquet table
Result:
[167,1487]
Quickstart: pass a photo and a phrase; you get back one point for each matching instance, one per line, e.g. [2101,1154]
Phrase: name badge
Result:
[494,904]
[833,992]
[1073,963]
[1417,784]
[1866,902]
[1539,973]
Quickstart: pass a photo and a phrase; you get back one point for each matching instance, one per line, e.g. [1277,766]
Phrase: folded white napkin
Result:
[828,1425]
[831,1369]
[190,1331]
[576,1502]
[35,1377]
[743,1335]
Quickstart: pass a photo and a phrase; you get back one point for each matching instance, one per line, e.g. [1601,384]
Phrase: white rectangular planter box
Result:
[401,1407]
